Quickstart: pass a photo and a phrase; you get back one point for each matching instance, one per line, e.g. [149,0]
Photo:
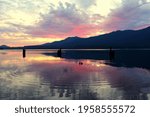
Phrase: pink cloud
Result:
[66,20]
[84,30]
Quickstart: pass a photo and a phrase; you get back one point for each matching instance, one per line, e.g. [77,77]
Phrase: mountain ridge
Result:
[116,39]
[4,47]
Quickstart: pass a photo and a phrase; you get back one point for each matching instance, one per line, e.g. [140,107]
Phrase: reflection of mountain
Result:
[82,54]
[118,39]
[123,58]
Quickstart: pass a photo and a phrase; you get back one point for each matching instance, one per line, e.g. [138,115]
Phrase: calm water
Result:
[78,74]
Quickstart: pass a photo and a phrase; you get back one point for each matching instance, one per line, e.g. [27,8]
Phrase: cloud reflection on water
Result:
[45,77]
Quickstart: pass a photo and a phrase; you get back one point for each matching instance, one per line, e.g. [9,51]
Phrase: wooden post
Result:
[24,53]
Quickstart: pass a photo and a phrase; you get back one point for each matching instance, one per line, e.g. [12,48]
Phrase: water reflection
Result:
[39,76]
[119,58]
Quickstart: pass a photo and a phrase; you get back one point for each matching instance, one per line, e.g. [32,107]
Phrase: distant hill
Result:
[4,47]
[116,39]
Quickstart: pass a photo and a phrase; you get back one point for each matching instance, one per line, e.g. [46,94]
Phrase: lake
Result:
[76,75]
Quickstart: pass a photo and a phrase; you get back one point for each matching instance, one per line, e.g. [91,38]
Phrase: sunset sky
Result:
[31,22]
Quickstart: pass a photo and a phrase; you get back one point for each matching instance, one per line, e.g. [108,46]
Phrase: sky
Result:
[32,22]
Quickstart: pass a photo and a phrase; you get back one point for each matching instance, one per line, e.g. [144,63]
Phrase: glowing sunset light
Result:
[32,22]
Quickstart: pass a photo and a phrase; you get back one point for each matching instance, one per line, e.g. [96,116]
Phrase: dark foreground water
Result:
[78,74]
